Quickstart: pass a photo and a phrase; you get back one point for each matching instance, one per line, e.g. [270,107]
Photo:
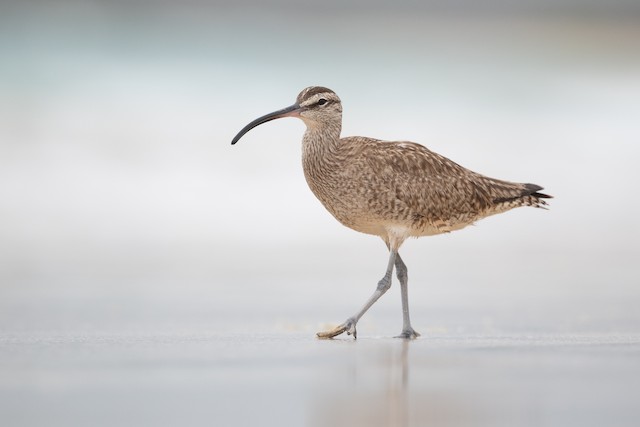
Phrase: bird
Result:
[391,189]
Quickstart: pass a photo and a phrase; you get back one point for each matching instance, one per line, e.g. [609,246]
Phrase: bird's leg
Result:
[349,326]
[401,272]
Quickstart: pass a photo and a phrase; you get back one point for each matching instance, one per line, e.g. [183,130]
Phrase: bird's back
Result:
[371,185]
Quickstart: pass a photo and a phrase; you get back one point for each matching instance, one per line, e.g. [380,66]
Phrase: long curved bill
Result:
[291,111]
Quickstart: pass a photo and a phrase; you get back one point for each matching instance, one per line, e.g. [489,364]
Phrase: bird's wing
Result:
[428,185]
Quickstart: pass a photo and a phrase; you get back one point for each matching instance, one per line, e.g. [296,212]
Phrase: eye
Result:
[322,101]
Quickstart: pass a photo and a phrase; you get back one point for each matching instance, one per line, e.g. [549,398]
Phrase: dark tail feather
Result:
[532,190]
[529,196]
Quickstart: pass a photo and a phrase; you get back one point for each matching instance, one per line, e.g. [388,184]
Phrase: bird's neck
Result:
[320,143]
[321,159]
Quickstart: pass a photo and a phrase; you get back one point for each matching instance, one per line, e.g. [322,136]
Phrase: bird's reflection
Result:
[374,391]
[398,394]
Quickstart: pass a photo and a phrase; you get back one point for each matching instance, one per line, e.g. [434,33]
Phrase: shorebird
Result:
[391,189]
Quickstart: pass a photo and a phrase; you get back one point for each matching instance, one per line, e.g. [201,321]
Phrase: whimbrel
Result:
[391,189]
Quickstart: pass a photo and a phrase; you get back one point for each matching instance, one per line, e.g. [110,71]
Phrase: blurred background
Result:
[117,178]
[123,206]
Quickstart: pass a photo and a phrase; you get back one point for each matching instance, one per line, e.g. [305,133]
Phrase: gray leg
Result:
[349,326]
[401,272]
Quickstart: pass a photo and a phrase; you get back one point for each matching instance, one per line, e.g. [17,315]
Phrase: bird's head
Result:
[317,106]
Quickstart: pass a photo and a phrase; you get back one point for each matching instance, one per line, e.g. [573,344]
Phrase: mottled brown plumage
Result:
[394,190]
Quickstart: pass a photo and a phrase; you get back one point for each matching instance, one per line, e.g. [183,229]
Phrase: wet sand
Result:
[67,362]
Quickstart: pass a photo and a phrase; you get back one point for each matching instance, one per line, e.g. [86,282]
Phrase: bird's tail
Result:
[529,195]
[534,197]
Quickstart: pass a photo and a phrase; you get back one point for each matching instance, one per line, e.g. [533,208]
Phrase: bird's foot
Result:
[349,327]
[408,334]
